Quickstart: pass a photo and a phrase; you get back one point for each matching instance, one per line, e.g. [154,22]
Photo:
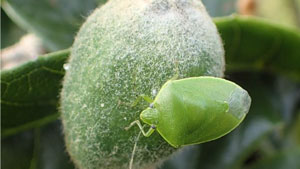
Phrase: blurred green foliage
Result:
[10,32]
[220,7]
[282,11]
[40,148]
[281,160]
[54,21]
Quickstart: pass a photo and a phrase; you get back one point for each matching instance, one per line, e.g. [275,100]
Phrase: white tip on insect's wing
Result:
[239,103]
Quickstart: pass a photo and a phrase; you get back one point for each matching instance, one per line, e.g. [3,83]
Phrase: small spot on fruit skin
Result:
[154,92]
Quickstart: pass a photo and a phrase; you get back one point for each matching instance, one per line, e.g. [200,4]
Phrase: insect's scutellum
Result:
[193,107]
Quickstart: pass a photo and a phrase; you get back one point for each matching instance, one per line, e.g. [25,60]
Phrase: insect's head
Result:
[150,115]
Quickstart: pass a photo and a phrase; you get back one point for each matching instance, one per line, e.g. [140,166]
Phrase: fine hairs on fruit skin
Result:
[125,49]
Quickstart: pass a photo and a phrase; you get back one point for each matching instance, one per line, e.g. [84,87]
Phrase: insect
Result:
[195,110]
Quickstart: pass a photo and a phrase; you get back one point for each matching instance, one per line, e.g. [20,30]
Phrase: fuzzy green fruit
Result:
[125,49]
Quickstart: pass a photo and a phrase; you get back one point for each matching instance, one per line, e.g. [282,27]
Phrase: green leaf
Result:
[30,93]
[287,159]
[56,22]
[253,44]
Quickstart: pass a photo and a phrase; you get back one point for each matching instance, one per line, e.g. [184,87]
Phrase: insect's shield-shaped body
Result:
[197,110]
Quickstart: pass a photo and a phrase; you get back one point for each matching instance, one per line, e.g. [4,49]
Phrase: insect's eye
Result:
[151,105]
[153,126]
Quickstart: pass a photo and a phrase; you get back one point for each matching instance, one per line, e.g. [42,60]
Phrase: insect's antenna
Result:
[134,150]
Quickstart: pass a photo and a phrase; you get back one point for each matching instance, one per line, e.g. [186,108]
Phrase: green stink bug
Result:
[195,110]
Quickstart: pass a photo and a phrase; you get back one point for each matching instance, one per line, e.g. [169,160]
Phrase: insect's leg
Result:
[146,134]
[146,98]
